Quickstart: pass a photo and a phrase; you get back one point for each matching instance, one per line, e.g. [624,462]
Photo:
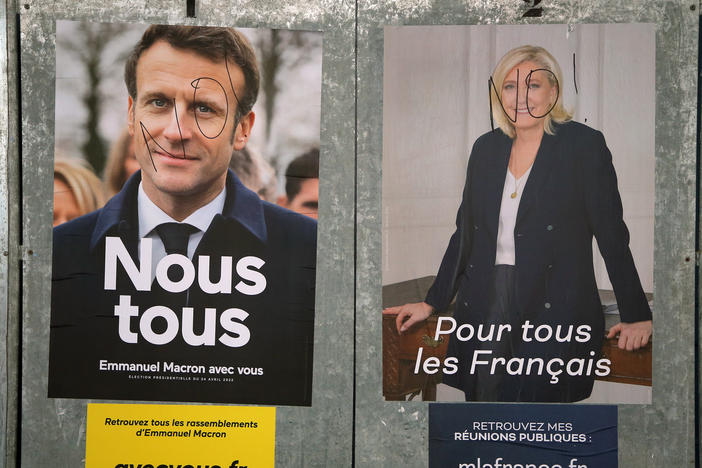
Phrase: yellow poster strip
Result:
[180,436]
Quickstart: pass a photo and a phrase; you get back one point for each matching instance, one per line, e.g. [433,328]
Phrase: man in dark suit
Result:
[185,286]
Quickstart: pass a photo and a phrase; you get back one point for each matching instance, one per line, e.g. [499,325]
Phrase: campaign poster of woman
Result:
[518,212]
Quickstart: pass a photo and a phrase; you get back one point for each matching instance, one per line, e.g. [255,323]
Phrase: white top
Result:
[508,217]
[151,216]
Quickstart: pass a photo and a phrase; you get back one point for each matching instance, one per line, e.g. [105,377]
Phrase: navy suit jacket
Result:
[280,320]
[570,196]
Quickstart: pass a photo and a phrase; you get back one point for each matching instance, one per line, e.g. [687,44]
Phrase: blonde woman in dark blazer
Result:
[538,188]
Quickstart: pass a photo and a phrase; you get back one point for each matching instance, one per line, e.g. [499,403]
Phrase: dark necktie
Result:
[175,237]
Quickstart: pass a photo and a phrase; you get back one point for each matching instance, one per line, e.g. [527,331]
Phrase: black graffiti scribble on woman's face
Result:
[527,95]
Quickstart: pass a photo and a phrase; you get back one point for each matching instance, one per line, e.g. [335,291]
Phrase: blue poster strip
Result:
[522,436]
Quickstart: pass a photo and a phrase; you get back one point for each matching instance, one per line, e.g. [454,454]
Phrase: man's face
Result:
[307,199]
[182,122]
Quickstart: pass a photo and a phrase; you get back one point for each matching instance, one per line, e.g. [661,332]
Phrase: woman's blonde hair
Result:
[82,181]
[511,59]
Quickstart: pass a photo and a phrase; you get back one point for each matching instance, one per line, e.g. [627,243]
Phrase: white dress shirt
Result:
[508,217]
[151,216]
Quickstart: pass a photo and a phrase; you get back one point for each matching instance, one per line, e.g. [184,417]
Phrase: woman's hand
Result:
[632,335]
[413,313]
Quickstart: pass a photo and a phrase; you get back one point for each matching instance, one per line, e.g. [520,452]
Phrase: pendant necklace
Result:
[516,187]
[516,182]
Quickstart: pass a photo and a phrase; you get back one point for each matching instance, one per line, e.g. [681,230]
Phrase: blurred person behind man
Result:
[255,173]
[121,163]
[302,184]
[77,190]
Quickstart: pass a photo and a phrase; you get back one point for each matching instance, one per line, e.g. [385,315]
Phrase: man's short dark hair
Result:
[210,42]
[303,167]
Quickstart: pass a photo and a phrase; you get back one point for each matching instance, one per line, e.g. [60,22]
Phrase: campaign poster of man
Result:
[185,202]
[518,212]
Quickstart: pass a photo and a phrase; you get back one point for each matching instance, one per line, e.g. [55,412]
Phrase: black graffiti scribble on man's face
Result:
[183,121]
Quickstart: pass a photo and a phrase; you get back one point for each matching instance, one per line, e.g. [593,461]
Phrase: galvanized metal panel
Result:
[53,430]
[5,424]
[9,273]
[395,434]
[388,434]
[4,233]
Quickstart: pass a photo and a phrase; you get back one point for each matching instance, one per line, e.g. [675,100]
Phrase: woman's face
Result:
[65,204]
[528,94]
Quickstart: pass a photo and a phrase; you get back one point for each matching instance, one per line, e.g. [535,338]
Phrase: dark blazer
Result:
[84,328]
[571,194]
